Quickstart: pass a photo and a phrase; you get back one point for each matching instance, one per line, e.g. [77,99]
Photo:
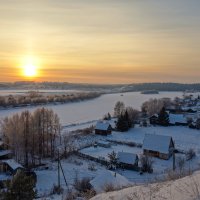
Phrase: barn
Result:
[158,146]
[103,128]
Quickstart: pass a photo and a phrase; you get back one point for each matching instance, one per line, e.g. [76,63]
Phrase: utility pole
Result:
[58,169]
[174,151]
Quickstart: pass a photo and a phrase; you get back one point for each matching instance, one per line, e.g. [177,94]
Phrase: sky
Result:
[100,41]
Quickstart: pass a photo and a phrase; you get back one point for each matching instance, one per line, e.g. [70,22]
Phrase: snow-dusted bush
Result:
[92,167]
[146,163]
[190,154]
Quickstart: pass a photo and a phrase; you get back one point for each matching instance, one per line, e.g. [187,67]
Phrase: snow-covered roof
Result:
[13,164]
[103,142]
[158,143]
[108,177]
[177,118]
[154,115]
[5,152]
[127,158]
[102,126]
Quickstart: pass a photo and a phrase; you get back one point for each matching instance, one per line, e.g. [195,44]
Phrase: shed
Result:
[128,160]
[158,146]
[103,128]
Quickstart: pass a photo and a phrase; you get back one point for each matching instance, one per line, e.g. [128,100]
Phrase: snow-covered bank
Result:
[187,188]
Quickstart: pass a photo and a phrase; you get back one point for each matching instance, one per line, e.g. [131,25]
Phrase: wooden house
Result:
[158,146]
[103,128]
[153,119]
[10,166]
[128,160]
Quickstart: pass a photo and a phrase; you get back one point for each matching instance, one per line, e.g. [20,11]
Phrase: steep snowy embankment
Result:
[187,188]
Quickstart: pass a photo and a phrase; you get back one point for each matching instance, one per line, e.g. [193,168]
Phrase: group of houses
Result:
[8,166]
[159,146]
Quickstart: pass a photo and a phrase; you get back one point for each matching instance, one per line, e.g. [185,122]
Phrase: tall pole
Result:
[174,160]
[58,169]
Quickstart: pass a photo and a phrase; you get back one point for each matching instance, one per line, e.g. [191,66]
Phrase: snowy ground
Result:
[184,137]
[182,189]
[72,167]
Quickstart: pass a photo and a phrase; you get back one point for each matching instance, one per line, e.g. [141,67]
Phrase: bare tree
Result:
[119,107]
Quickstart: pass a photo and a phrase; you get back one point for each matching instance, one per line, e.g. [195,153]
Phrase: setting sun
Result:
[29,67]
[30,70]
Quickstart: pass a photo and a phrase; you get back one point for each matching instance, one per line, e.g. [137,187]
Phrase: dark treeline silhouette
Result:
[103,87]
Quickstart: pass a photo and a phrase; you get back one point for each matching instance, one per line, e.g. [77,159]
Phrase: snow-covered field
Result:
[79,112]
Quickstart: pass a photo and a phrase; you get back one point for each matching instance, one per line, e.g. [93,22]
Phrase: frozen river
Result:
[79,112]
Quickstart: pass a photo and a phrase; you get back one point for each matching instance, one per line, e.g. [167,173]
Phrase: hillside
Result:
[187,188]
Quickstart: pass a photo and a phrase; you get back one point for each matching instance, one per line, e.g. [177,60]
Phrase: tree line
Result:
[32,136]
[36,98]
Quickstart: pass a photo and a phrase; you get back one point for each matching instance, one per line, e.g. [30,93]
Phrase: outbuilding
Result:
[128,160]
[103,128]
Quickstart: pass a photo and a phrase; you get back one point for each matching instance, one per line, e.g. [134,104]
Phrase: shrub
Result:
[108,187]
[82,185]
[146,163]
[92,167]
[56,190]
[190,154]
[180,162]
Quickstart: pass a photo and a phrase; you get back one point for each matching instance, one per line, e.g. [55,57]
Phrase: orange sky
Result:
[107,41]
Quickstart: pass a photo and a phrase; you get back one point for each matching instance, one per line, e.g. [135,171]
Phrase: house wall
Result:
[102,132]
[156,154]
[164,156]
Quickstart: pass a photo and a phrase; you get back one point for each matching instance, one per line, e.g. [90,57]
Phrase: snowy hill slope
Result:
[187,188]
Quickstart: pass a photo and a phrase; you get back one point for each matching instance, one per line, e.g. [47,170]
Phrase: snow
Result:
[182,189]
[159,143]
[5,177]
[127,158]
[5,152]
[95,109]
[177,118]
[102,126]
[103,152]
[107,178]
[12,163]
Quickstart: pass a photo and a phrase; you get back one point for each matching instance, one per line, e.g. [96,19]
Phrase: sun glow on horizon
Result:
[29,67]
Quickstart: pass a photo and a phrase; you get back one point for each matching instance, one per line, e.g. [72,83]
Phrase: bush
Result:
[146,163]
[190,154]
[108,187]
[82,185]
[180,162]
[56,190]
[92,167]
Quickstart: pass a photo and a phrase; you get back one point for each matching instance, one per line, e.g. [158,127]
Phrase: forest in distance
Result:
[31,85]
